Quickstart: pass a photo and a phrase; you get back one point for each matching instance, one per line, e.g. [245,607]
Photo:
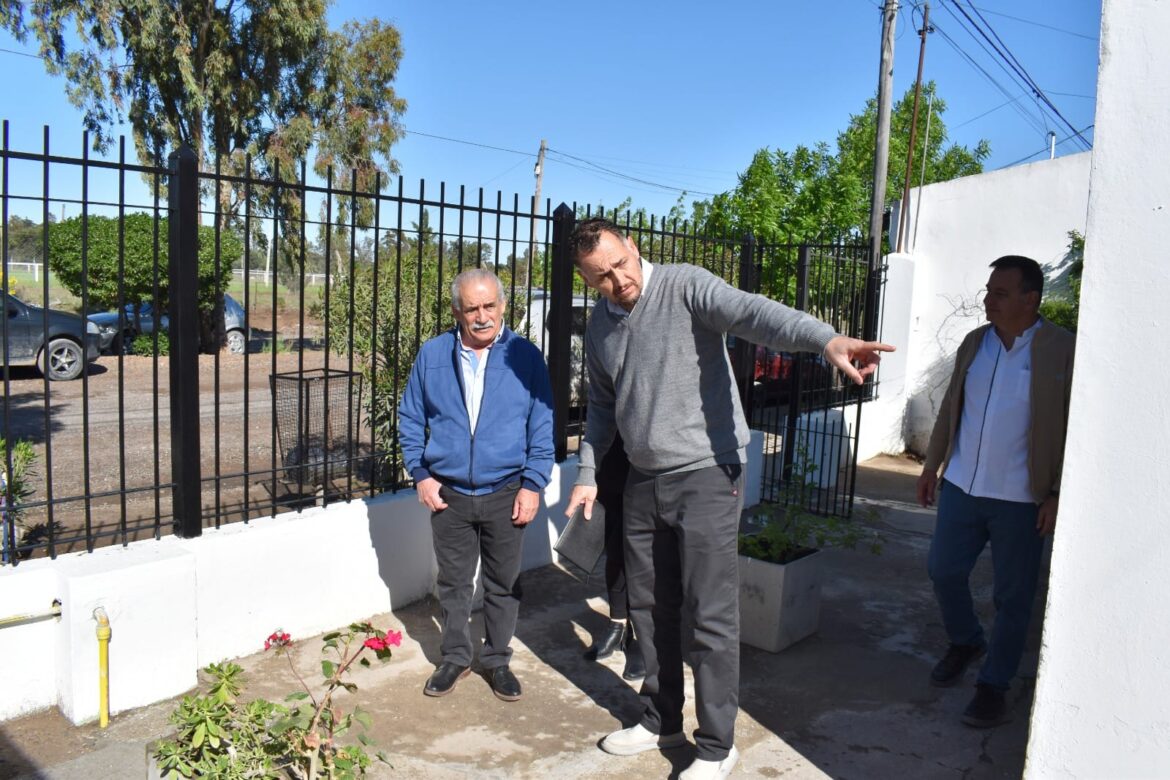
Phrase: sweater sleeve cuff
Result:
[528,484]
[822,339]
[419,474]
[587,475]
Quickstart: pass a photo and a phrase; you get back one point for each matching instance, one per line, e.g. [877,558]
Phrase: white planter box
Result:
[779,604]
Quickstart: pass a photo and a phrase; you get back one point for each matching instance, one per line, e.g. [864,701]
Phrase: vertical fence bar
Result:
[560,315]
[156,245]
[45,358]
[87,476]
[184,341]
[794,396]
[744,358]
[247,326]
[7,529]
[122,518]
[217,331]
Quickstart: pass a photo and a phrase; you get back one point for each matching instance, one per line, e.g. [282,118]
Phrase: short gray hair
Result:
[473,275]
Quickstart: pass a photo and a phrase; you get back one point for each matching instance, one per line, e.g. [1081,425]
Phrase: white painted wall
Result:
[963,225]
[176,605]
[1102,704]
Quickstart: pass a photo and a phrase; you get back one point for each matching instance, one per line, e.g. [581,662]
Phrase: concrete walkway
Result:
[850,702]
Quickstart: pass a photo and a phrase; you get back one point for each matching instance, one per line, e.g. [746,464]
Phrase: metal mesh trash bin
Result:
[318,414]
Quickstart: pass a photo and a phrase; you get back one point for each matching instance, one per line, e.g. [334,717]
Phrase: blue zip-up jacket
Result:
[513,437]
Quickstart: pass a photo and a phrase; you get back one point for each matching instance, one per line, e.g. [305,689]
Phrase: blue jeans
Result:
[965,525]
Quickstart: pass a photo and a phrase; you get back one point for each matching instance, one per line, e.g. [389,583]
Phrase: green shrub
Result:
[143,344]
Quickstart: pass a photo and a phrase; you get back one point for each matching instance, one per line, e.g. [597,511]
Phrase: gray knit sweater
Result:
[662,375]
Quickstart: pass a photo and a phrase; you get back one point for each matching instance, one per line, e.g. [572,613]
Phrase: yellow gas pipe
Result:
[103,637]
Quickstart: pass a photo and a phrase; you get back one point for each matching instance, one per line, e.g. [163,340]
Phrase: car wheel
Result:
[62,360]
[236,343]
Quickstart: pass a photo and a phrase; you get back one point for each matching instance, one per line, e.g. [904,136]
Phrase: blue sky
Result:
[678,95]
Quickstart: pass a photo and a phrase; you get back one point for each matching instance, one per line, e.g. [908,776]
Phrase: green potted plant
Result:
[780,565]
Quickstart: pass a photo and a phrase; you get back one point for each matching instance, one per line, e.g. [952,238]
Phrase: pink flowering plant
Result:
[221,737]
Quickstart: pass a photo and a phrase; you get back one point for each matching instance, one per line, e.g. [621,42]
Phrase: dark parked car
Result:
[107,323]
[771,374]
[61,352]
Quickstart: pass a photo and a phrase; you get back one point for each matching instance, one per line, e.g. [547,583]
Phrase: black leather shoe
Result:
[444,679]
[635,664]
[504,684]
[609,643]
[987,709]
[948,671]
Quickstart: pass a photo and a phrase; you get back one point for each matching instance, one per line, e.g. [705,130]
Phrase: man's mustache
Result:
[483,325]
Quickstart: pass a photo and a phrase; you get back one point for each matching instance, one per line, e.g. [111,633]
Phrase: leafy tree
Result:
[944,160]
[251,85]
[139,261]
[1062,303]
[24,240]
[266,78]
[817,195]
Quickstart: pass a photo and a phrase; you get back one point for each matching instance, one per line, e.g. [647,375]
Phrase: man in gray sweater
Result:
[659,373]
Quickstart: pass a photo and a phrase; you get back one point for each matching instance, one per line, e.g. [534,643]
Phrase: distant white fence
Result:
[28,268]
[265,277]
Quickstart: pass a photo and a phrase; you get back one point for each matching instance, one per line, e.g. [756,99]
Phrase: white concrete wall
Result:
[1102,704]
[963,225]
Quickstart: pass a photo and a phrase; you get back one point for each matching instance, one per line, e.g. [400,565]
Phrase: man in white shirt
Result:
[999,439]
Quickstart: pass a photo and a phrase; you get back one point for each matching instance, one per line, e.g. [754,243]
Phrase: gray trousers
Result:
[471,529]
[682,573]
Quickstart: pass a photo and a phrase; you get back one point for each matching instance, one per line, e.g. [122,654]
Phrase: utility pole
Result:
[904,211]
[539,172]
[881,157]
[881,162]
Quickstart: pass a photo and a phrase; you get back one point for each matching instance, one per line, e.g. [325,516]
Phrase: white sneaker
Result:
[638,739]
[701,769]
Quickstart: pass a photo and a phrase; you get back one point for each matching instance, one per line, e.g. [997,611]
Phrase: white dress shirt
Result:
[474,368]
[990,458]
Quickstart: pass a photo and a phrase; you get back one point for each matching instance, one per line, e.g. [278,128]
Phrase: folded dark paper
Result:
[583,541]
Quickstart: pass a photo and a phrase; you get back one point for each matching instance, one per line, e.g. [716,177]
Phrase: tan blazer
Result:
[1052,370]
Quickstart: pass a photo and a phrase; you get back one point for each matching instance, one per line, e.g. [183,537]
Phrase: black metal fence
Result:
[169,431]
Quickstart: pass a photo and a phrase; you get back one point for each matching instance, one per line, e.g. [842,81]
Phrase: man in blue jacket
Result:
[475,424]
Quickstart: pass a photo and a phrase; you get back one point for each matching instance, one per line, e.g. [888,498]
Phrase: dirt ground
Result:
[107,436]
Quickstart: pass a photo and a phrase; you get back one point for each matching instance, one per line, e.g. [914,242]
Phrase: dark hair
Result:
[1031,277]
[585,236]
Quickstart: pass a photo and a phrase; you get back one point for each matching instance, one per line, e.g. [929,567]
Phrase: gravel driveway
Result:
[117,404]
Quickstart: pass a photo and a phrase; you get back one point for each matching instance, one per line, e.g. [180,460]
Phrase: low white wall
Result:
[176,605]
[1102,706]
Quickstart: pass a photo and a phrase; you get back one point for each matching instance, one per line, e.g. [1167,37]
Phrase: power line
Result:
[592,166]
[988,111]
[1016,65]
[469,143]
[628,177]
[1038,24]
[1037,123]
[994,57]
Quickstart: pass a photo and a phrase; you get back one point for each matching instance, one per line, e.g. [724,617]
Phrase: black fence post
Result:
[560,316]
[183,252]
[794,391]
